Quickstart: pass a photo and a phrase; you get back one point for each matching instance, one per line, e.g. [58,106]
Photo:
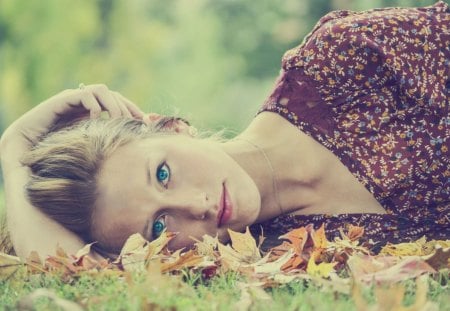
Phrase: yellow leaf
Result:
[157,245]
[134,243]
[230,259]
[321,270]
[9,265]
[84,251]
[272,267]
[207,246]
[245,244]
[405,249]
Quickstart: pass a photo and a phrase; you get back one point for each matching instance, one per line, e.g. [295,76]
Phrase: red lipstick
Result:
[225,208]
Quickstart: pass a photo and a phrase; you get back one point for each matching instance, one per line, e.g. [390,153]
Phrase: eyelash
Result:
[164,182]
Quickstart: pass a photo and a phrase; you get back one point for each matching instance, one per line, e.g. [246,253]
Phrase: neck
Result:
[280,163]
[255,161]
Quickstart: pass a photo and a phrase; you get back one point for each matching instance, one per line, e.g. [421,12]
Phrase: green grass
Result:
[139,290]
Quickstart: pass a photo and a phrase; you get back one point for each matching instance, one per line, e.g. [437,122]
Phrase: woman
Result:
[355,132]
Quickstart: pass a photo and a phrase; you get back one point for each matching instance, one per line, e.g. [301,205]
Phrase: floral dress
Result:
[374,88]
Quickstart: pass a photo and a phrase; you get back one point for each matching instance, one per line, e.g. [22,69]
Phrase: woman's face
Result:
[172,182]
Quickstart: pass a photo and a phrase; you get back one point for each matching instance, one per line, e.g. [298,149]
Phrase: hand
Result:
[68,106]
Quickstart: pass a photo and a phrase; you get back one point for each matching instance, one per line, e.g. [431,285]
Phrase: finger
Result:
[123,108]
[91,104]
[105,99]
[132,107]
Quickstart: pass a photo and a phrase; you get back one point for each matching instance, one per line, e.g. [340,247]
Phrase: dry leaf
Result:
[319,238]
[297,238]
[273,267]
[322,270]
[439,259]
[245,244]
[405,249]
[34,263]
[208,245]
[389,270]
[9,265]
[354,232]
[186,260]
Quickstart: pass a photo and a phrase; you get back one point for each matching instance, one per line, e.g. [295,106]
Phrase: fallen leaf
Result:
[354,232]
[245,244]
[273,267]
[319,238]
[34,263]
[297,238]
[389,270]
[208,245]
[439,259]
[405,249]
[186,260]
[9,265]
[322,270]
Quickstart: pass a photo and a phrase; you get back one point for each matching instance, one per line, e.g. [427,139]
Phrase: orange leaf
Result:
[298,238]
[319,238]
[186,260]
[355,232]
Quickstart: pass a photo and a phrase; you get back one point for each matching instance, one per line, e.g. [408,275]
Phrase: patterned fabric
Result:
[374,88]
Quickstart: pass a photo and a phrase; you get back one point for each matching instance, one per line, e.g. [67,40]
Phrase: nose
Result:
[196,206]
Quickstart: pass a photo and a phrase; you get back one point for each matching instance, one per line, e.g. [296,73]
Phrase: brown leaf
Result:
[440,259]
[187,260]
[34,263]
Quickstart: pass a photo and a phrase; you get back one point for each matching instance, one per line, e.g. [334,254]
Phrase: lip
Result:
[225,208]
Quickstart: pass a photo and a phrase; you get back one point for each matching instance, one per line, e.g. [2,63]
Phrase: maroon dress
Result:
[373,87]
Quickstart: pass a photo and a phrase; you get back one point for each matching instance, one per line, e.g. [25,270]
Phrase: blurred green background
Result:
[211,61]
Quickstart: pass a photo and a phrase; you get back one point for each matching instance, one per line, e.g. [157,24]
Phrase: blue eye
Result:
[163,174]
[159,226]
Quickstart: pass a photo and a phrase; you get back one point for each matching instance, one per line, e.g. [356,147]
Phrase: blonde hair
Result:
[64,166]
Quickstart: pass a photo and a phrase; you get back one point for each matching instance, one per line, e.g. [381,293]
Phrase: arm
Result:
[30,229]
